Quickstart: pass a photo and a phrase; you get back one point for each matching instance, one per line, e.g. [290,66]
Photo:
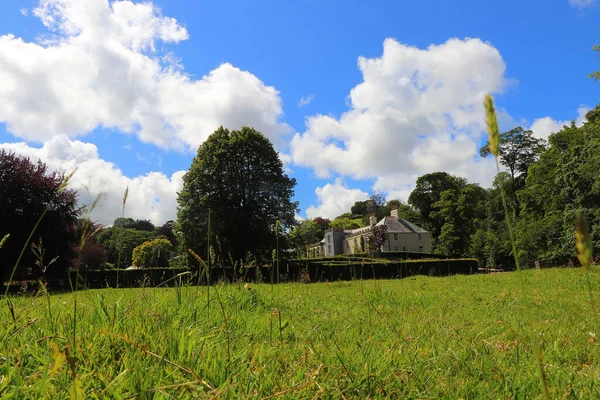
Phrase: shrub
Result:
[153,253]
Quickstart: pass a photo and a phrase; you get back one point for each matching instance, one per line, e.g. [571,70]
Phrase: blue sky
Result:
[364,128]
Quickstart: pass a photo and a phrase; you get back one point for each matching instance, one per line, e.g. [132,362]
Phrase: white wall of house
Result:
[412,242]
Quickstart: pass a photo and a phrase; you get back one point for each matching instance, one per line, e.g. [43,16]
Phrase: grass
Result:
[423,337]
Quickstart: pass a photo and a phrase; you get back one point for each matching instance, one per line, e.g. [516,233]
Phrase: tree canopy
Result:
[518,150]
[563,181]
[428,191]
[28,190]
[596,74]
[238,177]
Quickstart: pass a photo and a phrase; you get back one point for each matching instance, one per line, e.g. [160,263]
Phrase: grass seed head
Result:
[65,181]
[492,125]
[583,240]
[125,195]
[4,239]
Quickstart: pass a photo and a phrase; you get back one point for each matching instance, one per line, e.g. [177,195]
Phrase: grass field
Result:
[453,337]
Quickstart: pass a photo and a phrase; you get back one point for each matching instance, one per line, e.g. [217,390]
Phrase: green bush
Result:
[154,253]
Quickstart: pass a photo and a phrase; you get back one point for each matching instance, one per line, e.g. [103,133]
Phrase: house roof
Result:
[400,225]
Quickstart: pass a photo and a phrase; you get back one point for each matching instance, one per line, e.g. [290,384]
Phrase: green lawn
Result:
[453,337]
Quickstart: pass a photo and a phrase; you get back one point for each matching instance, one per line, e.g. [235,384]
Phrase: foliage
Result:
[346,223]
[345,216]
[137,224]
[238,176]
[304,234]
[154,253]
[122,241]
[93,255]
[323,224]
[27,191]
[359,208]
[377,238]
[563,181]
[167,230]
[428,191]
[462,210]
[518,150]
[596,74]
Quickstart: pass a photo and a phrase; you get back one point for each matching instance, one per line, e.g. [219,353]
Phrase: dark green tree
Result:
[563,181]
[359,208]
[428,191]
[137,224]
[120,243]
[323,224]
[305,233]
[238,176]
[462,211]
[518,150]
[168,231]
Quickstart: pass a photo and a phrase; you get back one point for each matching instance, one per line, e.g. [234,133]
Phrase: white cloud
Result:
[335,199]
[24,12]
[104,64]
[304,101]
[416,111]
[543,127]
[581,4]
[152,196]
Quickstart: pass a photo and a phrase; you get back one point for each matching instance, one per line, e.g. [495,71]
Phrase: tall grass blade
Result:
[585,250]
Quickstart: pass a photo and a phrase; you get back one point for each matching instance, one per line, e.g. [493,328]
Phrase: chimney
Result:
[394,212]
[372,220]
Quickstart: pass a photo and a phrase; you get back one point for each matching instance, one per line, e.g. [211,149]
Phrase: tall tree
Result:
[27,190]
[130,223]
[596,74]
[359,208]
[563,181]
[238,176]
[168,231]
[120,243]
[304,234]
[427,192]
[462,211]
[518,150]
[323,224]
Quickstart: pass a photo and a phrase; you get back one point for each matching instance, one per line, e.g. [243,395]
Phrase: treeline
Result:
[235,208]
[545,184]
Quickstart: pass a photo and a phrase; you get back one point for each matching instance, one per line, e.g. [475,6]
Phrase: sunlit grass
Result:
[460,336]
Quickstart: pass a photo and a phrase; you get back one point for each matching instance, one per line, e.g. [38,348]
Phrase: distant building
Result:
[402,236]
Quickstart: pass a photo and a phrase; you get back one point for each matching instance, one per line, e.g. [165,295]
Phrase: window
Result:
[329,250]
[420,249]
[347,245]
[395,236]
[420,237]
[403,248]
[396,248]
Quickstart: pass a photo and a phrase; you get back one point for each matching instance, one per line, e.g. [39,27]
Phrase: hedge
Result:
[330,269]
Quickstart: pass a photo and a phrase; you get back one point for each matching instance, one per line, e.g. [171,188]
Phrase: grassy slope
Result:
[462,336]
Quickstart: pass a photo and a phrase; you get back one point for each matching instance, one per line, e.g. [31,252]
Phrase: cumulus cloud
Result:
[543,127]
[581,4]
[416,111]
[335,199]
[105,64]
[304,101]
[152,196]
